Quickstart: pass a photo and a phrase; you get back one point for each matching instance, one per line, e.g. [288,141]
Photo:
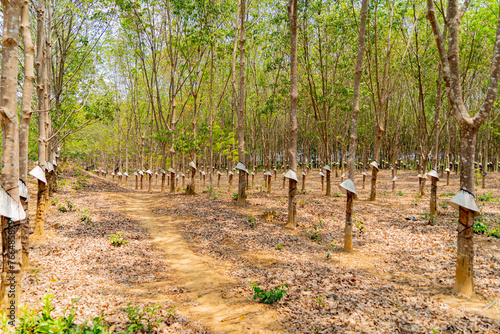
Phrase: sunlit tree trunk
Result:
[294,96]
[353,136]
[241,111]
[469,126]
[29,77]
[43,106]
[11,232]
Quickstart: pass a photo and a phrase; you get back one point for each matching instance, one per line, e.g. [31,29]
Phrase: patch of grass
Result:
[447,195]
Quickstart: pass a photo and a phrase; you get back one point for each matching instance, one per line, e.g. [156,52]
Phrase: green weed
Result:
[117,239]
[269,296]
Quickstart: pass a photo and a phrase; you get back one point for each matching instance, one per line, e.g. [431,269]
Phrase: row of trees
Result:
[69,96]
[185,97]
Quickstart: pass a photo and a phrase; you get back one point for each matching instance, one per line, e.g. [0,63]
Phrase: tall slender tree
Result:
[294,97]
[26,112]
[353,136]
[469,125]
[11,232]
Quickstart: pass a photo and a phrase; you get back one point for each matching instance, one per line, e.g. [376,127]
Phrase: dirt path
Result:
[215,299]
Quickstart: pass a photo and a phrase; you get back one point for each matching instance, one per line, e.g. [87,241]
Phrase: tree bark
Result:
[11,232]
[43,105]
[29,78]
[353,137]
[294,96]
[450,63]
[241,111]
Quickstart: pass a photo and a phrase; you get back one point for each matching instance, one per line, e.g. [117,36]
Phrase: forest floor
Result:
[195,256]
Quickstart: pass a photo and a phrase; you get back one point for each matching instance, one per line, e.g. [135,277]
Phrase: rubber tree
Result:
[26,112]
[241,110]
[294,96]
[11,232]
[43,92]
[353,136]
[469,125]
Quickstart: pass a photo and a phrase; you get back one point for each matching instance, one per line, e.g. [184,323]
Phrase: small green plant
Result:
[142,320]
[487,198]
[494,232]
[480,226]
[251,220]
[336,194]
[235,196]
[171,311]
[359,225]
[444,205]
[117,239]
[85,216]
[320,301]
[70,205]
[78,172]
[41,320]
[313,233]
[429,217]
[279,247]
[34,274]
[384,193]
[80,183]
[447,195]
[269,296]
[62,208]
[400,193]
[54,201]
[213,193]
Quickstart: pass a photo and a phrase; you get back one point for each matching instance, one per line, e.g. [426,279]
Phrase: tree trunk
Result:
[29,77]
[294,96]
[241,110]
[353,136]
[328,183]
[433,195]
[43,106]
[11,232]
